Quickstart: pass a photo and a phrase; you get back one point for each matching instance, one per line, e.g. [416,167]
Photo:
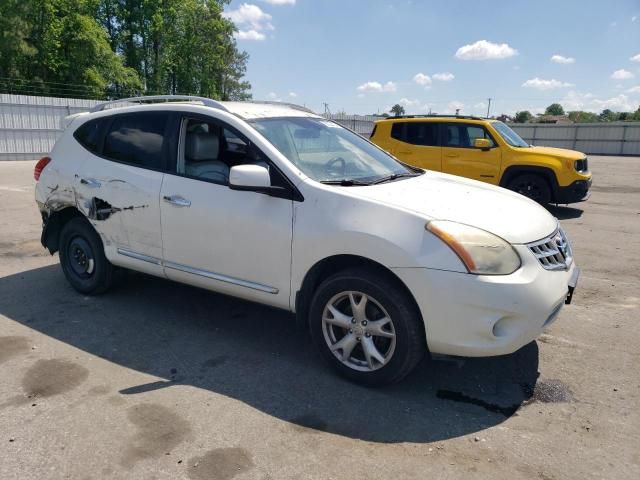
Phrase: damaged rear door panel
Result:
[119,187]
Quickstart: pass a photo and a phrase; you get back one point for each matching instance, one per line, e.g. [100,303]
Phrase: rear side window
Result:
[416,133]
[137,139]
[88,134]
[422,133]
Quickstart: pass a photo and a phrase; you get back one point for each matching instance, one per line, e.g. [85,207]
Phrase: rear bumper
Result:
[578,191]
[482,316]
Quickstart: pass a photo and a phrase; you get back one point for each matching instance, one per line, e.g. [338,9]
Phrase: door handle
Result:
[404,152]
[90,182]
[177,200]
[451,155]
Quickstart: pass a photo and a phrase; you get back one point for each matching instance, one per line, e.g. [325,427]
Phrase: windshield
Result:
[509,136]
[327,152]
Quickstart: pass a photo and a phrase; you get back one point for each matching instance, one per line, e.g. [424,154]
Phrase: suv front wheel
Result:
[367,327]
[532,186]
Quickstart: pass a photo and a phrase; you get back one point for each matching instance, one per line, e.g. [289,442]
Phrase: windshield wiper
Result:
[395,176]
[345,182]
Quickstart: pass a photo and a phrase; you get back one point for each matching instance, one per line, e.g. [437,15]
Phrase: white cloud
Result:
[444,76]
[622,74]
[635,58]
[377,87]
[484,50]
[562,59]
[587,102]
[250,35]
[422,79]
[635,89]
[250,20]
[274,97]
[280,2]
[293,94]
[480,105]
[454,105]
[634,18]
[542,84]
[405,102]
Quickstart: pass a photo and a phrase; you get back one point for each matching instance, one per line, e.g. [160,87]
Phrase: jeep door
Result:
[460,157]
[232,241]
[416,143]
[118,187]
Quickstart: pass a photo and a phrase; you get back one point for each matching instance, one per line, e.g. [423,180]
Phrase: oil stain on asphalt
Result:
[220,464]
[159,431]
[53,377]
[548,391]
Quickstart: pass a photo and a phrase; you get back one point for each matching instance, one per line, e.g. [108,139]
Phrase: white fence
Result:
[616,138]
[29,126]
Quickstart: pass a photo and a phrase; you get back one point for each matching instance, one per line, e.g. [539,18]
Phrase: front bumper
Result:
[578,191]
[481,315]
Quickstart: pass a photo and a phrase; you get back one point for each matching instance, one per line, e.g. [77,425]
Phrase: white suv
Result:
[274,204]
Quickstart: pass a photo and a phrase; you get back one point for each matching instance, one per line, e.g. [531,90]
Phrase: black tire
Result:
[82,258]
[410,342]
[533,186]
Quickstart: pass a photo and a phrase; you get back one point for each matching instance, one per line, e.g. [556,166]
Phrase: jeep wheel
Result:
[532,186]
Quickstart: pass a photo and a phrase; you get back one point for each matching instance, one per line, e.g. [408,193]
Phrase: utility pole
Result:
[326,108]
[488,107]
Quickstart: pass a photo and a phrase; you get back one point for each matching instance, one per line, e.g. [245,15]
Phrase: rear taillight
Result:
[43,162]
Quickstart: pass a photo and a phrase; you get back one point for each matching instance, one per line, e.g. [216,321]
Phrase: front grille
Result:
[553,252]
[581,165]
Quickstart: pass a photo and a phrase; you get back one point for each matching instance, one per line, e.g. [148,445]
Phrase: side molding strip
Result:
[196,271]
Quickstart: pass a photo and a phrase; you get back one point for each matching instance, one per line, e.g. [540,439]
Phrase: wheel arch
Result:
[53,224]
[334,264]
[547,173]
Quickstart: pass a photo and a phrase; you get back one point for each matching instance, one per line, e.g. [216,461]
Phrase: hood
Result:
[439,196]
[556,152]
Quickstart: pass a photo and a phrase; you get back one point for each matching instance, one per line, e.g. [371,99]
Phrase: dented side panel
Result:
[122,202]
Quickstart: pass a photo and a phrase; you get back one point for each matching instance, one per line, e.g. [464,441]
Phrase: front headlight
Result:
[483,253]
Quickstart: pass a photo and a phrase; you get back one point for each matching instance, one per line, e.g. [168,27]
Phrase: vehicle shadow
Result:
[564,213]
[188,336]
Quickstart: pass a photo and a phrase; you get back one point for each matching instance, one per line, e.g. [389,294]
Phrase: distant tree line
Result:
[579,116]
[115,48]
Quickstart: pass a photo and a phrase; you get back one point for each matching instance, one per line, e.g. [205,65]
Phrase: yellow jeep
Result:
[486,150]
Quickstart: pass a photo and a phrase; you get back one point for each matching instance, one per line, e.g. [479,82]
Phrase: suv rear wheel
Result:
[532,186]
[367,327]
[82,258]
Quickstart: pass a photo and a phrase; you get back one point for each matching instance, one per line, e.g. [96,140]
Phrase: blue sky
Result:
[362,56]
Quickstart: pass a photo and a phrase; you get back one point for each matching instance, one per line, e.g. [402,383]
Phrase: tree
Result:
[636,115]
[554,109]
[397,110]
[579,116]
[608,115]
[523,116]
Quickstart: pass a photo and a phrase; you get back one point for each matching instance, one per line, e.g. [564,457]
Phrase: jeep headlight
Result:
[483,253]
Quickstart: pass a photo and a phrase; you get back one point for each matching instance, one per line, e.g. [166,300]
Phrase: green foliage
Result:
[523,116]
[554,109]
[578,116]
[397,110]
[121,47]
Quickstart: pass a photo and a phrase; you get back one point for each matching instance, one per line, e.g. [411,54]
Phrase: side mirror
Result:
[482,143]
[249,177]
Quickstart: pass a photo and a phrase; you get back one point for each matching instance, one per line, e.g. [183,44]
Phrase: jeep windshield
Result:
[330,153]
[509,136]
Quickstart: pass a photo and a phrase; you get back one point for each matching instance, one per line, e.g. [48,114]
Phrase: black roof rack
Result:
[467,117]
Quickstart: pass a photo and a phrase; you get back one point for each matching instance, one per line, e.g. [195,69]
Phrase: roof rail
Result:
[207,102]
[284,104]
[468,117]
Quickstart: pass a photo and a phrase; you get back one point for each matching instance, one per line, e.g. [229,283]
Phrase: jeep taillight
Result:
[37,170]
